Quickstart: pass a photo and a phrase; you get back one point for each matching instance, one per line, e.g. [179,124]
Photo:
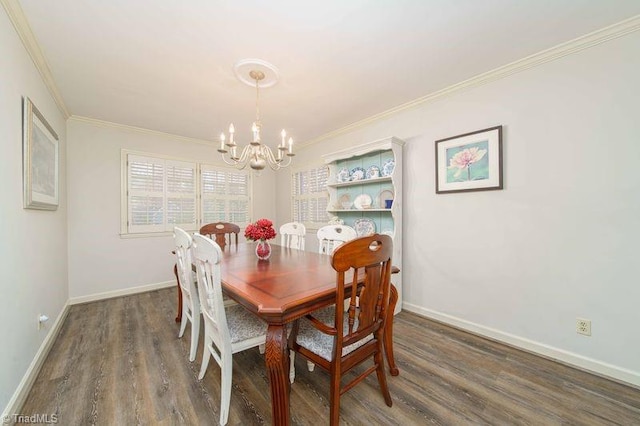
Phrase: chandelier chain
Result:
[257,102]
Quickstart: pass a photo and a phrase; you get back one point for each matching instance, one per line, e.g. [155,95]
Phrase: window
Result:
[309,196]
[162,193]
[225,195]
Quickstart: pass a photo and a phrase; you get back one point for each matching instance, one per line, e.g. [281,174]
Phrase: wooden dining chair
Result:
[292,235]
[186,280]
[338,344]
[220,231]
[329,238]
[332,236]
[227,330]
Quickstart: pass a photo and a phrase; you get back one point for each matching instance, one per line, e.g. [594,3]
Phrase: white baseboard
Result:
[566,357]
[24,387]
[123,292]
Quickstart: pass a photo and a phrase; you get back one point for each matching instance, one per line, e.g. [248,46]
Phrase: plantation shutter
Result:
[181,195]
[145,180]
[161,194]
[225,195]
[309,196]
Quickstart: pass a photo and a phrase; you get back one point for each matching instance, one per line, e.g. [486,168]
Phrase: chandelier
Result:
[256,154]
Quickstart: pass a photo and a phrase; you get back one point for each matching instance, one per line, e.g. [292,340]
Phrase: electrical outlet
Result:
[583,326]
[42,318]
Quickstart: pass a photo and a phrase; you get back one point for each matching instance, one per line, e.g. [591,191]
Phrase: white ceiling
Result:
[167,65]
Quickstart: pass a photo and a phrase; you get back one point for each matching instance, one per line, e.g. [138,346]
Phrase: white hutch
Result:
[365,192]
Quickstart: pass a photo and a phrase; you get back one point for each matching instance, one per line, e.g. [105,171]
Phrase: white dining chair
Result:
[227,330]
[190,301]
[331,237]
[292,235]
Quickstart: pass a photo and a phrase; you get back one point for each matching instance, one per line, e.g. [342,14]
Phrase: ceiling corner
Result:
[20,23]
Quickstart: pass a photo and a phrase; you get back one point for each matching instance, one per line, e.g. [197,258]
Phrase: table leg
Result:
[179,316]
[277,360]
[388,332]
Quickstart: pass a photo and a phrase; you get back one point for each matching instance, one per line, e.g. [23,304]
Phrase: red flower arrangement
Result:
[262,230]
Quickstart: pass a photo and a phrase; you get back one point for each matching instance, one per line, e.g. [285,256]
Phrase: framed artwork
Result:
[470,162]
[41,161]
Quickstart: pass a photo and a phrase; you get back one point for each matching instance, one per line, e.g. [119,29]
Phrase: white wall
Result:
[33,252]
[561,240]
[101,262]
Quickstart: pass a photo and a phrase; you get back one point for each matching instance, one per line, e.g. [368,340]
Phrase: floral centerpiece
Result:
[261,231]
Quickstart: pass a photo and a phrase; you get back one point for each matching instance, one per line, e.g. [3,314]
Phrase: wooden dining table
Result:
[287,286]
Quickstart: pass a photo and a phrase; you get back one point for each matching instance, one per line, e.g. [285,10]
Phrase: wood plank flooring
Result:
[120,362]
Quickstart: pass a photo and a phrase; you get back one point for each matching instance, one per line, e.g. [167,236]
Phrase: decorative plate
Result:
[345,202]
[343,175]
[385,194]
[388,166]
[362,201]
[373,172]
[364,226]
[358,173]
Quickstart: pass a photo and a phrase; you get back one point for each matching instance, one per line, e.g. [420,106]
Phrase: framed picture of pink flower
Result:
[470,162]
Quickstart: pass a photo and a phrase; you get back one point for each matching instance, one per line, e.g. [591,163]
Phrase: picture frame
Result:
[469,162]
[40,160]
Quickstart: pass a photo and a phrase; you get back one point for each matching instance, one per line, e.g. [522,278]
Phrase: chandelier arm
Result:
[288,161]
[274,164]
[241,162]
[238,166]
[231,163]
[268,154]
[245,154]
[271,160]
[284,163]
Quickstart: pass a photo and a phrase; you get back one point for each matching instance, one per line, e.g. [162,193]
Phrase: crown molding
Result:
[568,48]
[20,23]
[126,127]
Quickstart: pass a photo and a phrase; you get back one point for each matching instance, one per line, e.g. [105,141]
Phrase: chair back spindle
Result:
[220,232]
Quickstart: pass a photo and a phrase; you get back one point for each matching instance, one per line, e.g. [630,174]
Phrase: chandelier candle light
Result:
[256,154]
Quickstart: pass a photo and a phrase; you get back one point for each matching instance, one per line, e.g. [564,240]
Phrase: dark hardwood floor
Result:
[120,362]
